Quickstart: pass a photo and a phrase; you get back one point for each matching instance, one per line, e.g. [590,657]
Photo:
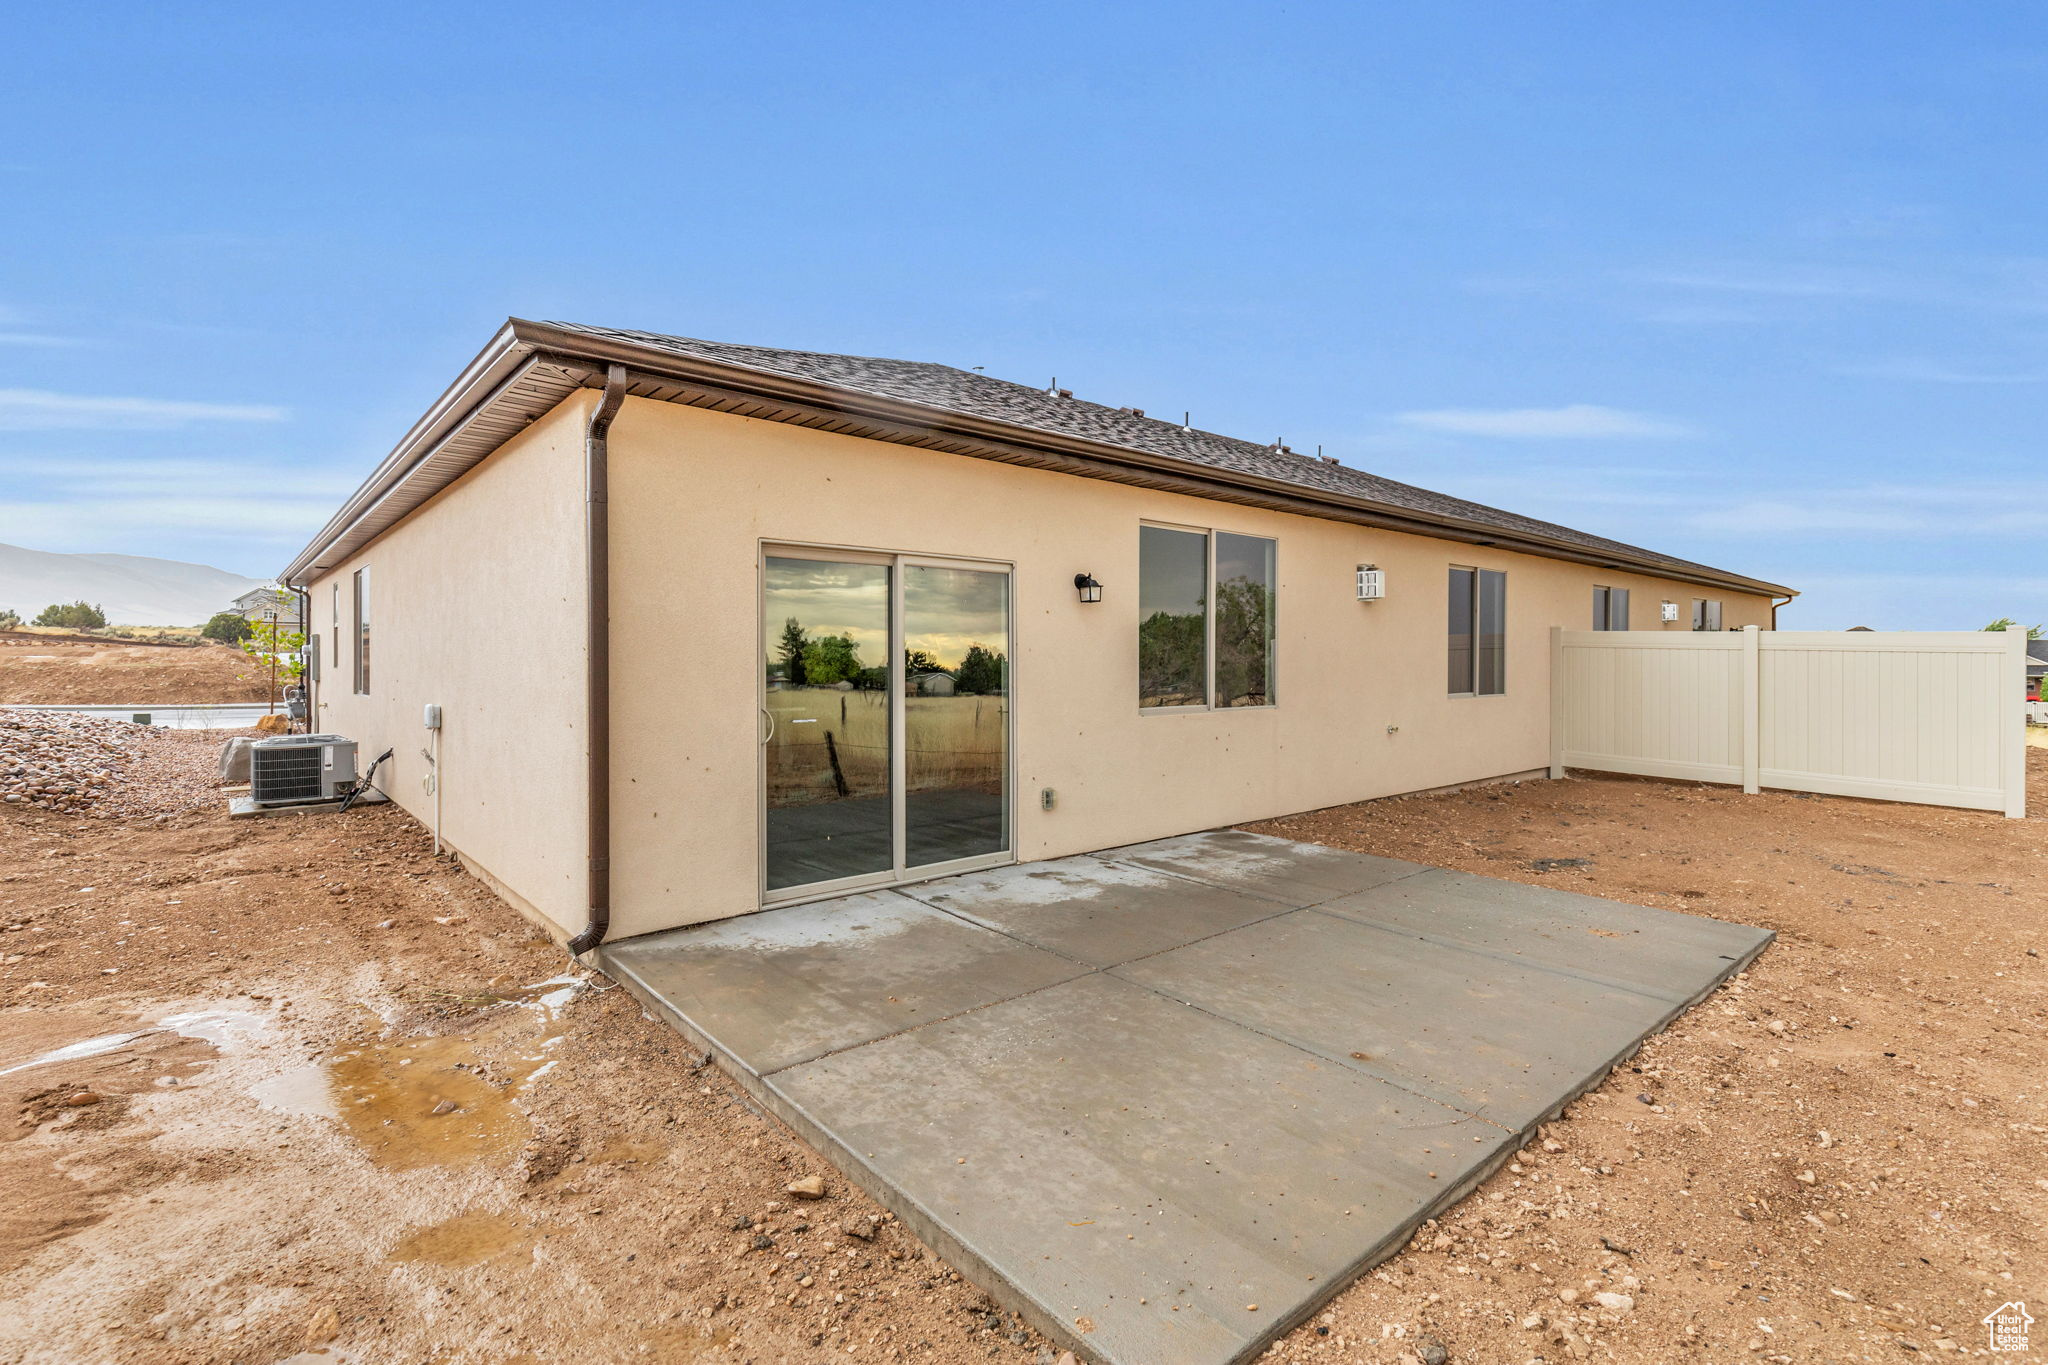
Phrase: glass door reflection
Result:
[956,713]
[828,765]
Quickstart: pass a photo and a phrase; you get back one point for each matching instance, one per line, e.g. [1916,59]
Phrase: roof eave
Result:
[814,393]
[522,340]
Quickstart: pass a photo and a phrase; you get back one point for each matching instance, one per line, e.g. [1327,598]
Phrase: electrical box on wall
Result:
[1668,612]
[1372,583]
[430,716]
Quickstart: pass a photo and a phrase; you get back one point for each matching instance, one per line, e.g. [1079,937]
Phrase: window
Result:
[362,587]
[1610,608]
[1705,615]
[1201,648]
[1478,631]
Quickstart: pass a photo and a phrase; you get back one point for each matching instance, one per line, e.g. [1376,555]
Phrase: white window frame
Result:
[1209,534]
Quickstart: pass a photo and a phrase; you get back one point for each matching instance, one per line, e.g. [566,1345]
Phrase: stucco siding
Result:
[1362,706]
[477,604]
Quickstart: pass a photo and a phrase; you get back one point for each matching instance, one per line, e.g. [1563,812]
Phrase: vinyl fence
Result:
[1935,717]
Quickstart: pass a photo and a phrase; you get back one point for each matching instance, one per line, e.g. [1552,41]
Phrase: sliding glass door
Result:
[885,718]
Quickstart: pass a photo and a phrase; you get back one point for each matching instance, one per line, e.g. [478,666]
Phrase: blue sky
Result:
[1762,285]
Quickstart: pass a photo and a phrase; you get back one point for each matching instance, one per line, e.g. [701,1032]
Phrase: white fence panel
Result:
[1933,717]
[1928,716]
[1657,705]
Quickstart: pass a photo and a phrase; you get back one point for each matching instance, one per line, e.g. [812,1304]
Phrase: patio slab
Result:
[1264,865]
[1150,1098]
[787,985]
[1094,910]
[1507,1042]
[1157,1211]
[1635,946]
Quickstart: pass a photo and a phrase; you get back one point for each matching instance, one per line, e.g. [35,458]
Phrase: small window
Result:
[1198,647]
[1478,632]
[1610,608]
[362,594]
[1706,615]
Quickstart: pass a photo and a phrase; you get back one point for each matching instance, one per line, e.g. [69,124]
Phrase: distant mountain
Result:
[132,589]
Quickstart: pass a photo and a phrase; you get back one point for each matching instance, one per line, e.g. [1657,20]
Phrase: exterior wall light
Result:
[1090,590]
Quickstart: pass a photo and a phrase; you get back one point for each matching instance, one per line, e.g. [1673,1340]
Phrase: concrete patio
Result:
[1167,1099]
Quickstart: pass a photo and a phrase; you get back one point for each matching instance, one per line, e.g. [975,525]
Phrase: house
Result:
[269,602]
[2037,667]
[665,594]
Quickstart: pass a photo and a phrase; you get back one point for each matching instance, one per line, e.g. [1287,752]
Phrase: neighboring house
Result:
[262,604]
[715,558]
[2037,667]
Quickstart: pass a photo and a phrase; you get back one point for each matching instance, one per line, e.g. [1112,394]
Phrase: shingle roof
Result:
[950,389]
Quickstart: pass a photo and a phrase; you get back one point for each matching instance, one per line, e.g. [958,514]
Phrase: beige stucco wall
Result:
[695,493]
[477,603]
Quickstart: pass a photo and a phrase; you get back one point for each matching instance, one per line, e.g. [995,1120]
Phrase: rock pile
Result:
[61,761]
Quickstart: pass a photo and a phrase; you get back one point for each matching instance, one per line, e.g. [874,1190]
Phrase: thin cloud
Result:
[1895,510]
[113,477]
[1575,421]
[39,339]
[1934,372]
[41,410]
[266,522]
[1776,282]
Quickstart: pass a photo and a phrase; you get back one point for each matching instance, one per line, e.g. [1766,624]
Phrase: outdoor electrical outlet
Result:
[1046,799]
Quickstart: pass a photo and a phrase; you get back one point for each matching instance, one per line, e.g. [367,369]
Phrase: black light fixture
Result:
[1090,590]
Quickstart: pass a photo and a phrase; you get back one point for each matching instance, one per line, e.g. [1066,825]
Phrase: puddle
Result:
[218,1027]
[387,1092]
[467,1239]
[428,1101]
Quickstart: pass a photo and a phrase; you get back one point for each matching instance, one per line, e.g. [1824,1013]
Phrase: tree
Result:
[228,627]
[1244,629]
[916,661]
[1172,651]
[791,651]
[2008,623]
[981,673]
[269,644]
[10,619]
[79,615]
[831,659]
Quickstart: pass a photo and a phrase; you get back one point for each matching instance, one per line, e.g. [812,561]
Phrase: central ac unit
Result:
[293,769]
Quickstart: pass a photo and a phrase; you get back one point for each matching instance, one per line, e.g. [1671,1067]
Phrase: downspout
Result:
[597,648]
[309,666]
[1775,604]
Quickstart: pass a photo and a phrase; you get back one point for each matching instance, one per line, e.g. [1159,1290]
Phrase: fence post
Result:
[1752,702]
[2012,718]
[1557,703]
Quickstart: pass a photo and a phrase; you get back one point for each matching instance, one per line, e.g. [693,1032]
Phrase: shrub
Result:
[79,615]
[10,619]
[228,627]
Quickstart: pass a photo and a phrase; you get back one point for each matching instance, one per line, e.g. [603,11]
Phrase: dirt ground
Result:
[36,672]
[349,1107]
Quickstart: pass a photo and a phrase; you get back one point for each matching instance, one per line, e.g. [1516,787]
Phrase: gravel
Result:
[88,765]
